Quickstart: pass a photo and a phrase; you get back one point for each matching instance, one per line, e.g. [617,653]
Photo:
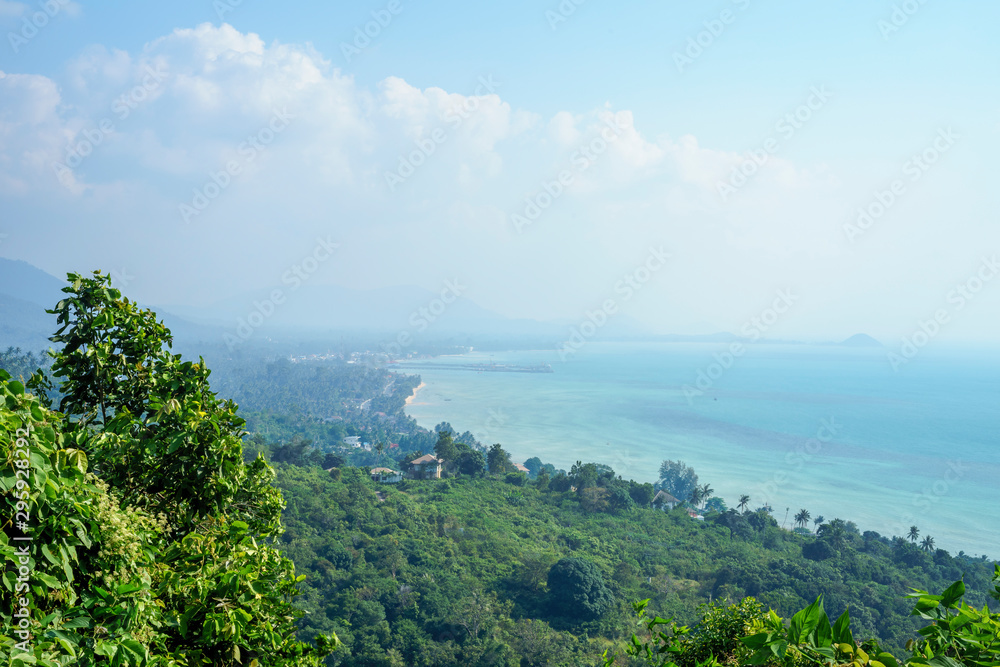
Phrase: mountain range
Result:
[316,312]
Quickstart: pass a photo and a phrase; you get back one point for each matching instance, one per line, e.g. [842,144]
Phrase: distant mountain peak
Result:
[861,340]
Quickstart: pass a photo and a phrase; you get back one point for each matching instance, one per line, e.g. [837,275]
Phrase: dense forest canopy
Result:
[160,528]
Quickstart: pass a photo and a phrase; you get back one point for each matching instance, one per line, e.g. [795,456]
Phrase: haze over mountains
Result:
[315,311]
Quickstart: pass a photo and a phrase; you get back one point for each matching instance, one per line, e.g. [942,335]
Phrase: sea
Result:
[842,432]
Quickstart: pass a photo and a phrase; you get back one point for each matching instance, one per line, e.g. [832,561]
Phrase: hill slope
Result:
[404,571]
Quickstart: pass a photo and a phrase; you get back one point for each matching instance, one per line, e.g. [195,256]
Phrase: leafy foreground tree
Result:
[957,635]
[133,532]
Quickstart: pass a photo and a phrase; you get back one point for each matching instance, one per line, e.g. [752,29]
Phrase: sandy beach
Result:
[416,391]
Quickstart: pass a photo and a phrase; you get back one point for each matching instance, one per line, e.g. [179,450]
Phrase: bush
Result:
[818,550]
[577,589]
[516,478]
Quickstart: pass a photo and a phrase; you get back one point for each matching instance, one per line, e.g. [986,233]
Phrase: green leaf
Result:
[887,659]
[953,594]
[824,633]
[804,623]
[842,629]
[127,588]
[49,556]
[46,579]
[15,387]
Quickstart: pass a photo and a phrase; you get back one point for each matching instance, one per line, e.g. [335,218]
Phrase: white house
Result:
[386,475]
[665,500]
[427,466]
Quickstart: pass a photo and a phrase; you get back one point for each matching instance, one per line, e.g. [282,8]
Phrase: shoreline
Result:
[412,397]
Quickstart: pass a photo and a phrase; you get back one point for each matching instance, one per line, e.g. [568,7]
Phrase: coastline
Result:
[724,444]
[413,396]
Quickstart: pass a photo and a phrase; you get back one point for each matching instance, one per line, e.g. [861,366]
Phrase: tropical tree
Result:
[577,589]
[927,544]
[498,460]
[913,534]
[818,521]
[470,461]
[445,448]
[676,478]
[696,496]
[155,530]
[706,491]
[744,503]
[716,504]
[802,518]
[834,532]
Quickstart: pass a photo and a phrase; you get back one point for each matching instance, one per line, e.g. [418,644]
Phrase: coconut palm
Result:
[818,520]
[697,496]
[802,518]
[379,449]
[914,534]
[927,544]
[744,502]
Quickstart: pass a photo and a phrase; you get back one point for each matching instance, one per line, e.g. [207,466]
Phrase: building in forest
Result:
[427,466]
[386,475]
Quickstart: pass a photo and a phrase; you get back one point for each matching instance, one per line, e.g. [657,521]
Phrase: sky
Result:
[687,163]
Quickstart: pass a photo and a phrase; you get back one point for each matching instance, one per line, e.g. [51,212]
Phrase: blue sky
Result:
[891,94]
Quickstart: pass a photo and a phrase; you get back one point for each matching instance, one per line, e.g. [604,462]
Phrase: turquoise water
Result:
[829,429]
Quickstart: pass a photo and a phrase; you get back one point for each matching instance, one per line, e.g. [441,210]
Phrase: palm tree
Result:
[927,544]
[914,534]
[835,532]
[706,492]
[744,502]
[697,495]
[818,520]
[802,518]
[379,449]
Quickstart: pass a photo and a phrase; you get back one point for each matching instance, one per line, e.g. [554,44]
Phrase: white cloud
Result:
[186,105]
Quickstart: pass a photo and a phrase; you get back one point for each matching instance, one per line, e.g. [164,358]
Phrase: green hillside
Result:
[443,572]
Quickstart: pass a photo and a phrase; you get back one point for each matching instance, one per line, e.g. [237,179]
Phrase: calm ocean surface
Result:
[830,429]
